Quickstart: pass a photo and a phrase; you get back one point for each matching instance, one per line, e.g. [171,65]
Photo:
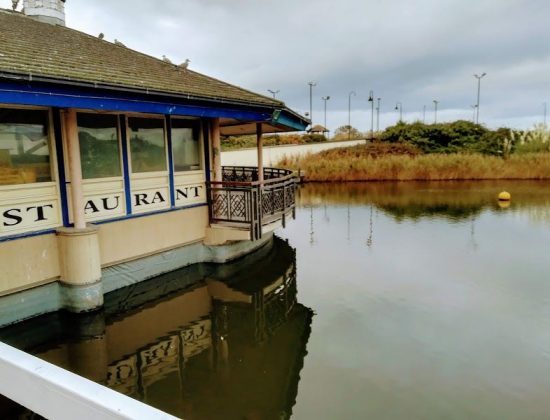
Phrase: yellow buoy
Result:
[504,196]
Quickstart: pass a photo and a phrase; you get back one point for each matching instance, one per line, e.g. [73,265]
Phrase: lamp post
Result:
[273,92]
[325,99]
[399,106]
[349,113]
[311,84]
[474,107]
[378,114]
[478,93]
[435,111]
[424,114]
[544,119]
[371,100]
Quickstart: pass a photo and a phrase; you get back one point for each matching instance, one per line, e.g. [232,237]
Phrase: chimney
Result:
[49,11]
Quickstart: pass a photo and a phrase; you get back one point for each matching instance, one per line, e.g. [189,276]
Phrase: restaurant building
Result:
[110,168]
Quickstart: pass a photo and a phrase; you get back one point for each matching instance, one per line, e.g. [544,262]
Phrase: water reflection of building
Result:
[230,346]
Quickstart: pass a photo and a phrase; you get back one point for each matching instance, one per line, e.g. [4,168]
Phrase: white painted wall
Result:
[57,394]
[273,154]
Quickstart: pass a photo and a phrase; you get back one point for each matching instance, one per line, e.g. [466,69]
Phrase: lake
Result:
[381,300]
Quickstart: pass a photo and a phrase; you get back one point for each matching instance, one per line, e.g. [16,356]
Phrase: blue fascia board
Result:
[63,97]
[286,119]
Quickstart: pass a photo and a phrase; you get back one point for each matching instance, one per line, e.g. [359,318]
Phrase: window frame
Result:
[197,125]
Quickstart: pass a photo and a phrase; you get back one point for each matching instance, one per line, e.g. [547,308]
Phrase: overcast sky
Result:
[406,51]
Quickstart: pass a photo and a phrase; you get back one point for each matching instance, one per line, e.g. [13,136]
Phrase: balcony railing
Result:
[241,201]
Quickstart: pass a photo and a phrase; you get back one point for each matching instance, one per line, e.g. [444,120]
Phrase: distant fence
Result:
[57,394]
[273,154]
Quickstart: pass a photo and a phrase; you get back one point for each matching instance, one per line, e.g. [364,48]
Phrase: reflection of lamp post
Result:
[435,111]
[349,113]
[399,106]
[478,92]
[273,92]
[311,84]
[371,100]
[378,115]
[325,99]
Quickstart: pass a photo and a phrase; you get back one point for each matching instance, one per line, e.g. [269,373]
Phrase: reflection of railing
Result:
[243,201]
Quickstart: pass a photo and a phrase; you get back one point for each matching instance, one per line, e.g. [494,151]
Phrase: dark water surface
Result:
[381,301]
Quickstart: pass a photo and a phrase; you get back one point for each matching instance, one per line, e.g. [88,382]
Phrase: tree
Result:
[345,132]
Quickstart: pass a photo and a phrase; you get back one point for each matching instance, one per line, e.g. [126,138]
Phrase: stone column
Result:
[80,261]
[216,150]
[260,144]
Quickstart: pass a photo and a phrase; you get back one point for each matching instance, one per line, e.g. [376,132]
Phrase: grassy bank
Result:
[368,163]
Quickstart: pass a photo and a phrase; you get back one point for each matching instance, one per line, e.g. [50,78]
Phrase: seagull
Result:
[14,4]
[101,35]
[185,64]
[120,44]
[166,59]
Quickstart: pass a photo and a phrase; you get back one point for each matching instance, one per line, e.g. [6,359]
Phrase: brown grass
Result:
[360,164]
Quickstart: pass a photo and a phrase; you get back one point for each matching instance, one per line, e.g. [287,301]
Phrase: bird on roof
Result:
[14,4]
[101,35]
[166,60]
[120,44]
[185,64]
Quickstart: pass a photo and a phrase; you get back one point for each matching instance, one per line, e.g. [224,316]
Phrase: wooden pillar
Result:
[216,150]
[259,142]
[75,169]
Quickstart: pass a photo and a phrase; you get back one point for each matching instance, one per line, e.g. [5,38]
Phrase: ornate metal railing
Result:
[241,200]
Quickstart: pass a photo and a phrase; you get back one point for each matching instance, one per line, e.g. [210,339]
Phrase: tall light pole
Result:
[273,92]
[424,114]
[352,93]
[399,106]
[371,100]
[474,107]
[435,111]
[325,99]
[311,84]
[478,93]
[378,114]
[544,119]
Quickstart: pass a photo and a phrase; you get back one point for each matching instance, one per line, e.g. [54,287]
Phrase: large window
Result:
[147,145]
[99,146]
[24,146]
[185,145]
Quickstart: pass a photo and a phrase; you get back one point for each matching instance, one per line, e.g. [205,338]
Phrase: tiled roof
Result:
[44,50]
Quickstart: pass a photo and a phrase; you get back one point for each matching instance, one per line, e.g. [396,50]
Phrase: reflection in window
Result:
[99,149]
[147,146]
[24,146]
[185,145]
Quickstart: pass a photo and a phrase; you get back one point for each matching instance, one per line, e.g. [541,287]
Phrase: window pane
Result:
[24,147]
[185,145]
[99,149]
[147,146]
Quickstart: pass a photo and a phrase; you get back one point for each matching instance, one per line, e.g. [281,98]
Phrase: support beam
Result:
[75,168]
[259,142]
[216,150]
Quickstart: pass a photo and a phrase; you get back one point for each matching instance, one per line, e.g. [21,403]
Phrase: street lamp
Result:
[399,106]
[544,119]
[474,107]
[273,92]
[378,115]
[371,100]
[311,84]
[435,108]
[325,99]
[478,92]
[352,93]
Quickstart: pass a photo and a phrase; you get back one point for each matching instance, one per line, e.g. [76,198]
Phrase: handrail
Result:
[241,199]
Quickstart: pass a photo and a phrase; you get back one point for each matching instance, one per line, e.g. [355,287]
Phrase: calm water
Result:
[381,301]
